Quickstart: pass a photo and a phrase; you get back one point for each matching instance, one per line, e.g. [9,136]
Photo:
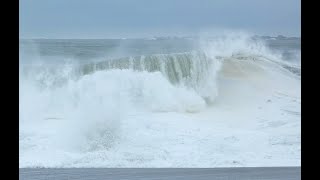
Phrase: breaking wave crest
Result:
[81,107]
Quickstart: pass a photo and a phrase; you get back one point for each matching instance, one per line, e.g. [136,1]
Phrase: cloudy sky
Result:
[135,18]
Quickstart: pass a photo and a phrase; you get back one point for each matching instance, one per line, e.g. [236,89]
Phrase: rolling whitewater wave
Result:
[70,110]
[191,70]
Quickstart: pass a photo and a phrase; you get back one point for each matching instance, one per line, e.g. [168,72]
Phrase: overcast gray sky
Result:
[131,18]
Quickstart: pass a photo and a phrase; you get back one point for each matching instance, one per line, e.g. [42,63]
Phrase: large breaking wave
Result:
[82,107]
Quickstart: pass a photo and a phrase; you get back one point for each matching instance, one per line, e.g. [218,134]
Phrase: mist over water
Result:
[229,100]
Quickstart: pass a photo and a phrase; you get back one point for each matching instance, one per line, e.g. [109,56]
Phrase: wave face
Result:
[190,70]
[101,112]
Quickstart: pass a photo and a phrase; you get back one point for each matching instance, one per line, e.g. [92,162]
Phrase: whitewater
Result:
[225,101]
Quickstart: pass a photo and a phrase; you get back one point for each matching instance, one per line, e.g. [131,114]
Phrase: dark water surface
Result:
[261,173]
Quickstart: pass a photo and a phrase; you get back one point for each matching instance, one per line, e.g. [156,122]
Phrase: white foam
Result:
[126,118]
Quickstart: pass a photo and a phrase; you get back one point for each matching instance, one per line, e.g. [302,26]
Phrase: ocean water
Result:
[224,101]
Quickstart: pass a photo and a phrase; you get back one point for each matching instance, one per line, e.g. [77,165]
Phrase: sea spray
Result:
[146,110]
